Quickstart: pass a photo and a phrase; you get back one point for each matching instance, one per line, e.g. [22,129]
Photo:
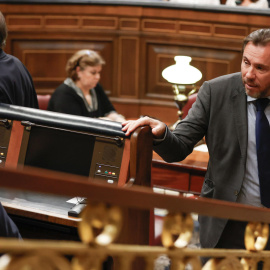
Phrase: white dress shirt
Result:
[250,191]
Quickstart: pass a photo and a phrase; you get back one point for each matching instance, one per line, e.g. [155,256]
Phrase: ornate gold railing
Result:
[66,255]
[102,221]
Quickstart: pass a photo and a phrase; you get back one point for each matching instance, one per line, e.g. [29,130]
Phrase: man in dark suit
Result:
[16,87]
[225,114]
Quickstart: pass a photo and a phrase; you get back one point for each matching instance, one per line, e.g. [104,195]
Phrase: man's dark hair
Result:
[258,37]
[3,31]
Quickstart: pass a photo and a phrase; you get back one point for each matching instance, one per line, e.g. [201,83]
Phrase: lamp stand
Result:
[181,94]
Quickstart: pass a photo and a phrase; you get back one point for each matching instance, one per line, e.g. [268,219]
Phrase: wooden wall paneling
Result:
[167,114]
[137,43]
[112,62]
[130,24]
[99,22]
[258,21]
[24,22]
[64,22]
[46,60]
[65,8]
[128,69]
[192,28]
[128,109]
[231,31]
[213,17]
[167,26]
[156,86]
[212,62]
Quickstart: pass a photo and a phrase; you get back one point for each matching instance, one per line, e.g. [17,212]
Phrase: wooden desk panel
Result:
[38,219]
[186,175]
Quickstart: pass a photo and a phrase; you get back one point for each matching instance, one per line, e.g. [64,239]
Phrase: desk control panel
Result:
[106,160]
[78,145]
[107,172]
[73,152]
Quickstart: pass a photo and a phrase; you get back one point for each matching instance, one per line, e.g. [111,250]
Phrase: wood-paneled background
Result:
[137,43]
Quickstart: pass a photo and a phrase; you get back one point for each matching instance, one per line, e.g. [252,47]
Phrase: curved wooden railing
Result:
[89,253]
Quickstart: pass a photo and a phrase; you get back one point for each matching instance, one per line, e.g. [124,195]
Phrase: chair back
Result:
[43,101]
[91,147]
[191,100]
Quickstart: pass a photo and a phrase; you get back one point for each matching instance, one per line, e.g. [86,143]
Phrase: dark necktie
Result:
[263,150]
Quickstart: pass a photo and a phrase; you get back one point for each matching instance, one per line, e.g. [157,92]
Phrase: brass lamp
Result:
[183,77]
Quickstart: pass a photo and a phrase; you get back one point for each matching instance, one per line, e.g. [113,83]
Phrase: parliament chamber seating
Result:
[188,105]
[85,253]
[32,137]
[93,148]
[179,208]
[43,101]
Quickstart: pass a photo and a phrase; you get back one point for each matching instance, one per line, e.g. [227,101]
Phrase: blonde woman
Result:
[80,93]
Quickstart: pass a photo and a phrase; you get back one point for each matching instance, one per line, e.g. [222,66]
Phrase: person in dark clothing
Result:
[16,87]
[81,94]
[232,112]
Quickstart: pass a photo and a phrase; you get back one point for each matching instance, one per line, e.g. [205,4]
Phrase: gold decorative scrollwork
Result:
[266,264]
[193,263]
[229,263]
[88,262]
[100,224]
[39,261]
[256,236]
[150,263]
[177,230]
[249,263]
[124,262]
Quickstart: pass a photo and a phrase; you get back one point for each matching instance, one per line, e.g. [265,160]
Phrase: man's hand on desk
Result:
[158,128]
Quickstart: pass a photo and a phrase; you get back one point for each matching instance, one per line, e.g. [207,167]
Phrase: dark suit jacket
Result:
[66,100]
[16,85]
[219,114]
[7,226]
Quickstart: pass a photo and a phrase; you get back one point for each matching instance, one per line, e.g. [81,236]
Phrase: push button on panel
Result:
[2,156]
[107,172]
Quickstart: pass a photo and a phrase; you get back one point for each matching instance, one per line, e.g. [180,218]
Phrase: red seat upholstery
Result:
[186,108]
[43,101]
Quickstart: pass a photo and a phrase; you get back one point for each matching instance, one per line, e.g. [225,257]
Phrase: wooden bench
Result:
[61,142]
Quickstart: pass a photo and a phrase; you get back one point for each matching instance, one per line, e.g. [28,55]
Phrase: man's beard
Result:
[261,94]
[251,93]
